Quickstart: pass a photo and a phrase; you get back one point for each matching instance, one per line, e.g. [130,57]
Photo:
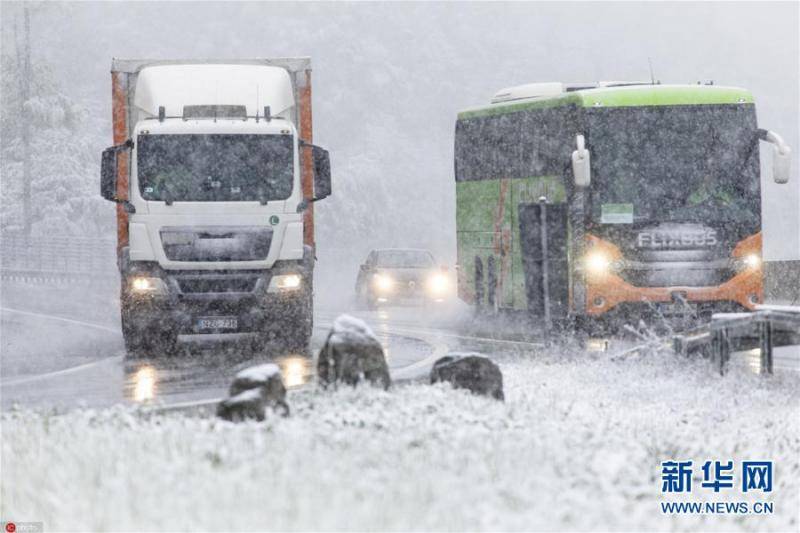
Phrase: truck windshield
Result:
[675,163]
[215,168]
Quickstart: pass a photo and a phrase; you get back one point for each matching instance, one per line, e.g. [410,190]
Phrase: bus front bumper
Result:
[609,291]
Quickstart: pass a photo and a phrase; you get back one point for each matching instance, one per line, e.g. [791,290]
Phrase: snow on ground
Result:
[577,445]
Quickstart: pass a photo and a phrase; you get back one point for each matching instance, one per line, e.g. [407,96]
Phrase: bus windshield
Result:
[215,168]
[675,163]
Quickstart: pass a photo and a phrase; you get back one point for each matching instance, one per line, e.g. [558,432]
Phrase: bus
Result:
[581,203]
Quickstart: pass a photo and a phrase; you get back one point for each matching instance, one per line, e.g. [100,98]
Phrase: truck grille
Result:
[217,285]
[216,243]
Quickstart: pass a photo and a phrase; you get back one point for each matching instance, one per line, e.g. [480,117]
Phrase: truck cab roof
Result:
[176,86]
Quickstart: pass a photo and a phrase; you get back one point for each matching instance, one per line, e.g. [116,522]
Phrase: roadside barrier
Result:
[57,259]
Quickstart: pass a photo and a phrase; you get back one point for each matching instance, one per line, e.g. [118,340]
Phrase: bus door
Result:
[544,234]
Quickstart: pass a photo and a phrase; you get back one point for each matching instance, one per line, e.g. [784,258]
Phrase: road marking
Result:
[427,331]
[468,337]
[70,370]
[56,373]
[61,319]
[411,371]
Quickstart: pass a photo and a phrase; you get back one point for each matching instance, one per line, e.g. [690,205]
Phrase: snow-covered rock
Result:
[261,383]
[474,372]
[248,405]
[351,353]
[266,375]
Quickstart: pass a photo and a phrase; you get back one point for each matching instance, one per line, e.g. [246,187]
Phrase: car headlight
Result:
[383,282]
[147,285]
[748,262]
[285,283]
[597,263]
[438,284]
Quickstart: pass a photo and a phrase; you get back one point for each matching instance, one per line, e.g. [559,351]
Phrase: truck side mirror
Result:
[581,163]
[108,171]
[781,156]
[108,175]
[322,173]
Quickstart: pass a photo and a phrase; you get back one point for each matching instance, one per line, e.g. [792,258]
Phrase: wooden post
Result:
[765,344]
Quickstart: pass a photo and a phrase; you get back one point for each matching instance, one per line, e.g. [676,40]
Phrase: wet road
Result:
[202,370]
[92,370]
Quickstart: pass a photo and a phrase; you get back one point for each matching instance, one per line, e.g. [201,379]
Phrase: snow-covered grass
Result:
[577,445]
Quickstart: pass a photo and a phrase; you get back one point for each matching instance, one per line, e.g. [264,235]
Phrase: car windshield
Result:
[215,168]
[675,163]
[404,259]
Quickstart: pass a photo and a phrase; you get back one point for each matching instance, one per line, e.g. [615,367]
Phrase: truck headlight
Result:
[383,282]
[147,285]
[285,283]
[437,284]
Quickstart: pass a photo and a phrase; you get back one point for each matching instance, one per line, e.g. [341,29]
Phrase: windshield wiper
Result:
[167,194]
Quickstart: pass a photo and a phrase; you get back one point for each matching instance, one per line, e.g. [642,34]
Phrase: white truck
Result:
[214,175]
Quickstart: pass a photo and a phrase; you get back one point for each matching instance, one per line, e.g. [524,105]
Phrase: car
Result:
[395,275]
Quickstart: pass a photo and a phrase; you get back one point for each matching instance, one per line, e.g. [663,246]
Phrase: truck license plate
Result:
[217,323]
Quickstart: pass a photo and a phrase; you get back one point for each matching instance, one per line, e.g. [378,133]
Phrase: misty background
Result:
[388,80]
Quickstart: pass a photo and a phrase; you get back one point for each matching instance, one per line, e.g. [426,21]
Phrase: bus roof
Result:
[619,96]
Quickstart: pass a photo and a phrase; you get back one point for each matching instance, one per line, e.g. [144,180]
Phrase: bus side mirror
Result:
[581,164]
[322,172]
[781,156]
[108,175]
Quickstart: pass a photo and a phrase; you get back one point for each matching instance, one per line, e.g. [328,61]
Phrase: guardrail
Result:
[768,327]
[57,259]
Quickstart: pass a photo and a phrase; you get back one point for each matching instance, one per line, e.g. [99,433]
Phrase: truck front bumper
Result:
[243,301]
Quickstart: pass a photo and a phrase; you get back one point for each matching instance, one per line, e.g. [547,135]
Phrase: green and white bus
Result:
[593,200]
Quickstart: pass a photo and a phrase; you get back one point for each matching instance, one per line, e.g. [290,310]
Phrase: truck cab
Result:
[215,214]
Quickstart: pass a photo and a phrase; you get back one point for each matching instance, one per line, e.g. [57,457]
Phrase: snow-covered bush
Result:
[65,145]
[577,445]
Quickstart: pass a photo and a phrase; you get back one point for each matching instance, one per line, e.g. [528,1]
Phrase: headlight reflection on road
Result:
[296,370]
[144,384]
[597,345]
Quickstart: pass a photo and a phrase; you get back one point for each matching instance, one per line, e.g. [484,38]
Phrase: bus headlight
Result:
[383,282]
[437,284]
[597,263]
[752,261]
[285,283]
[147,285]
[747,262]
